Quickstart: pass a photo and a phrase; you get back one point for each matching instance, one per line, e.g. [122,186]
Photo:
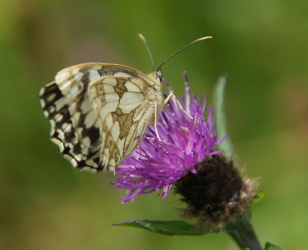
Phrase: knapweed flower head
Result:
[217,194]
[186,138]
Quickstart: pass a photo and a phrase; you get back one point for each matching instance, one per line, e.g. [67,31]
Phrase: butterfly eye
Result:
[159,75]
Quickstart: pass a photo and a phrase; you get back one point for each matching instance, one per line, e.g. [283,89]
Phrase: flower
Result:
[186,139]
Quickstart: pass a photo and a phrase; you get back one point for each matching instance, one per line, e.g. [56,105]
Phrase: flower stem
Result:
[243,233]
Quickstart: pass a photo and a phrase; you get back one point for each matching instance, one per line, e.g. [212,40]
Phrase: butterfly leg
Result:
[155,121]
[165,102]
[178,103]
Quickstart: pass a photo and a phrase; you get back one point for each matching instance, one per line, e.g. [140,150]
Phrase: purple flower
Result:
[186,140]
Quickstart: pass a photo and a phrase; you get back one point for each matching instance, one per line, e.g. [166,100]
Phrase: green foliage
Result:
[258,197]
[270,246]
[221,120]
[170,228]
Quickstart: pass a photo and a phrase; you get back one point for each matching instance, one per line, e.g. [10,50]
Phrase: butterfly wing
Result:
[124,106]
[98,112]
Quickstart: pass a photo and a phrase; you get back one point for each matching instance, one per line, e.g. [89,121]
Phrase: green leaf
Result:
[270,246]
[258,197]
[220,118]
[170,228]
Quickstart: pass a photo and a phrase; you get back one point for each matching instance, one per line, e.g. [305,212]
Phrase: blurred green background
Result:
[261,45]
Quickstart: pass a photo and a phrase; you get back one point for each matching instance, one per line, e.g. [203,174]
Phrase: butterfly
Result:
[99,112]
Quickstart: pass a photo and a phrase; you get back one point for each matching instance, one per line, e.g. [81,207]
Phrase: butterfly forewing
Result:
[99,112]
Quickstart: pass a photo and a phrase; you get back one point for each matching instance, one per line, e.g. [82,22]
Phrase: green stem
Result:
[243,233]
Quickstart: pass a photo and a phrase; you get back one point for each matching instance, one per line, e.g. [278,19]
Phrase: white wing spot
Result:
[58,117]
[86,141]
[111,97]
[122,74]
[110,80]
[109,121]
[75,118]
[132,87]
[93,75]
[108,88]
[139,83]
[65,85]
[62,76]
[78,76]
[115,131]
[59,103]
[86,106]
[130,101]
[90,119]
[108,108]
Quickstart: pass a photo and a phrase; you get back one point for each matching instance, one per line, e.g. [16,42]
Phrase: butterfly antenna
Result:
[198,40]
[148,49]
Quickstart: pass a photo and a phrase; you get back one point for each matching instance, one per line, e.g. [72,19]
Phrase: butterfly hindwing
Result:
[124,110]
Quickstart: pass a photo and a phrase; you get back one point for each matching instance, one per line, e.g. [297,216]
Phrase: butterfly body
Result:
[99,112]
